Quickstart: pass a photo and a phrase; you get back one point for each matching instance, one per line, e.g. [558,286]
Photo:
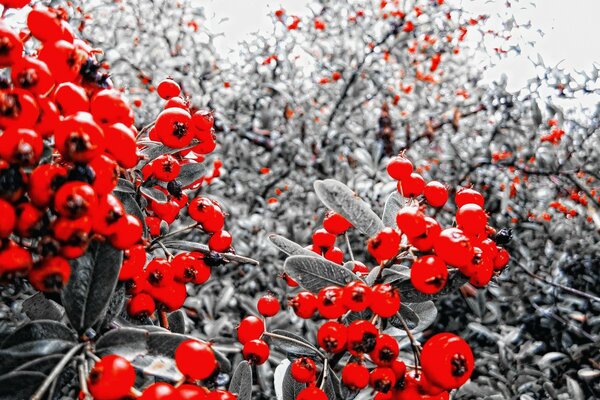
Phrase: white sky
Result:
[572,31]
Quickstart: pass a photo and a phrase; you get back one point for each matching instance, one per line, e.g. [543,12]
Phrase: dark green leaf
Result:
[125,186]
[43,364]
[126,342]
[177,321]
[38,330]
[190,173]
[293,350]
[241,381]
[341,199]
[39,307]
[20,385]
[94,278]
[154,194]
[314,273]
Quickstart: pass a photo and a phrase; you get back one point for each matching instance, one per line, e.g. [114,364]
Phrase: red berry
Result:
[14,260]
[108,106]
[11,46]
[472,219]
[195,359]
[331,305]
[447,361]
[111,378]
[501,259]
[220,241]
[382,379]
[8,220]
[127,233]
[256,351]
[429,274]
[21,146]
[332,337]
[411,186]
[71,99]
[426,241]
[399,168]
[79,138]
[43,183]
[191,392]
[468,196]
[355,376]
[173,128]
[334,254]
[454,247]
[220,395]
[106,174]
[304,304]
[360,268]
[312,393]
[190,267]
[109,211]
[385,300]
[168,88]
[32,74]
[480,270]
[357,296]
[268,306]
[159,391]
[75,199]
[166,168]
[250,328]
[362,337]
[436,194]
[323,239]
[51,275]
[386,351]
[304,370]
[336,224]
[411,221]
[384,245]
[159,272]
[141,305]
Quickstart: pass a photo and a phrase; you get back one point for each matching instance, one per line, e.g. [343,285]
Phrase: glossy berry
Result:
[323,239]
[159,391]
[355,376]
[111,378]
[75,199]
[173,128]
[195,359]
[425,241]
[166,168]
[220,241]
[384,245]
[330,302]
[357,296]
[382,379]
[501,259]
[268,306]
[411,221]
[429,274]
[334,254]
[256,351]
[51,275]
[336,224]
[436,194]
[362,337]
[399,168]
[468,196]
[386,351]
[190,267]
[141,305]
[128,231]
[385,300]
[8,220]
[454,247]
[304,304]
[472,218]
[360,268]
[159,272]
[411,186]
[220,395]
[191,392]
[312,393]
[332,337]
[447,360]
[168,88]
[304,370]
[250,328]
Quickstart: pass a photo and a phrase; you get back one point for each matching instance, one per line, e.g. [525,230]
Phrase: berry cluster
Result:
[323,240]
[113,377]
[67,136]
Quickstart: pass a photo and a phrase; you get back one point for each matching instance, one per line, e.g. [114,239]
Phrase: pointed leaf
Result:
[341,199]
[154,194]
[190,172]
[293,350]
[314,274]
[241,381]
[289,247]
[393,204]
[39,307]
[39,330]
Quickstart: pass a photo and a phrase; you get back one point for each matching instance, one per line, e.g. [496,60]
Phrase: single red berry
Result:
[336,224]
[8,220]
[471,218]
[11,47]
[109,211]
[359,268]
[355,376]
[220,241]
[122,145]
[173,128]
[289,280]
[447,361]
[159,391]
[386,351]
[108,106]
[331,304]
[153,225]
[454,247]
[170,297]
[141,305]
[411,221]
[436,194]
[195,359]
[111,378]
[429,274]
[106,174]
[191,392]
[21,146]
[75,199]
[323,239]
[332,337]
[32,74]
[71,99]
[250,328]
[399,168]
[256,351]
[221,395]
[501,259]
[426,241]
[362,337]
[382,379]
[384,245]
[304,370]
[468,196]
[357,296]
[268,306]
[43,183]
[411,186]
[334,254]
[312,393]
[14,260]
[50,275]
[159,272]
[168,88]
[385,300]
[480,270]
[127,233]
[166,168]
[79,138]
[203,122]
[190,267]
[304,304]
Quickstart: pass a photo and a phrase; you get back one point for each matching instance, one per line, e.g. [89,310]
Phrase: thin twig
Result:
[324,377]
[56,372]
[413,342]
[348,246]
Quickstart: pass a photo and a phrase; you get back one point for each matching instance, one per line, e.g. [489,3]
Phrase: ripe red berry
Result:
[334,254]
[384,245]
[111,378]
[331,305]
[190,267]
[43,183]
[355,376]
[304,370]
[11,45]
[304,304]
[166,168]
[447,360]
[436,194]
[336,224]
[159,391]
[323,239]
[108,106]
[357,296]
[426,241]
[480,269]
[8,220]
[127,233]
[71,99]
[195,359]
[362,337]
[191,392]
[359,268]
[382,379]
[501,259]
[468,196]
[399,168]
[220,395]
[385,300]
[332,337]
[79,138]
[75,199]
[14,260]
[312,393]
[268,306]
[141,305]
[454,247]
[32,74]
[109,211]
[106,174]
[50,275]
[168,88]
[250,328]
[471,218]
[220,241]
[412,186]
[386,351]
[256,351]
[411,221]
[429,274]
[173,128]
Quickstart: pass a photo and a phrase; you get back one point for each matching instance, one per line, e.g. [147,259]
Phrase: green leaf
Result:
[289,247]
[313,273]
[241,381]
